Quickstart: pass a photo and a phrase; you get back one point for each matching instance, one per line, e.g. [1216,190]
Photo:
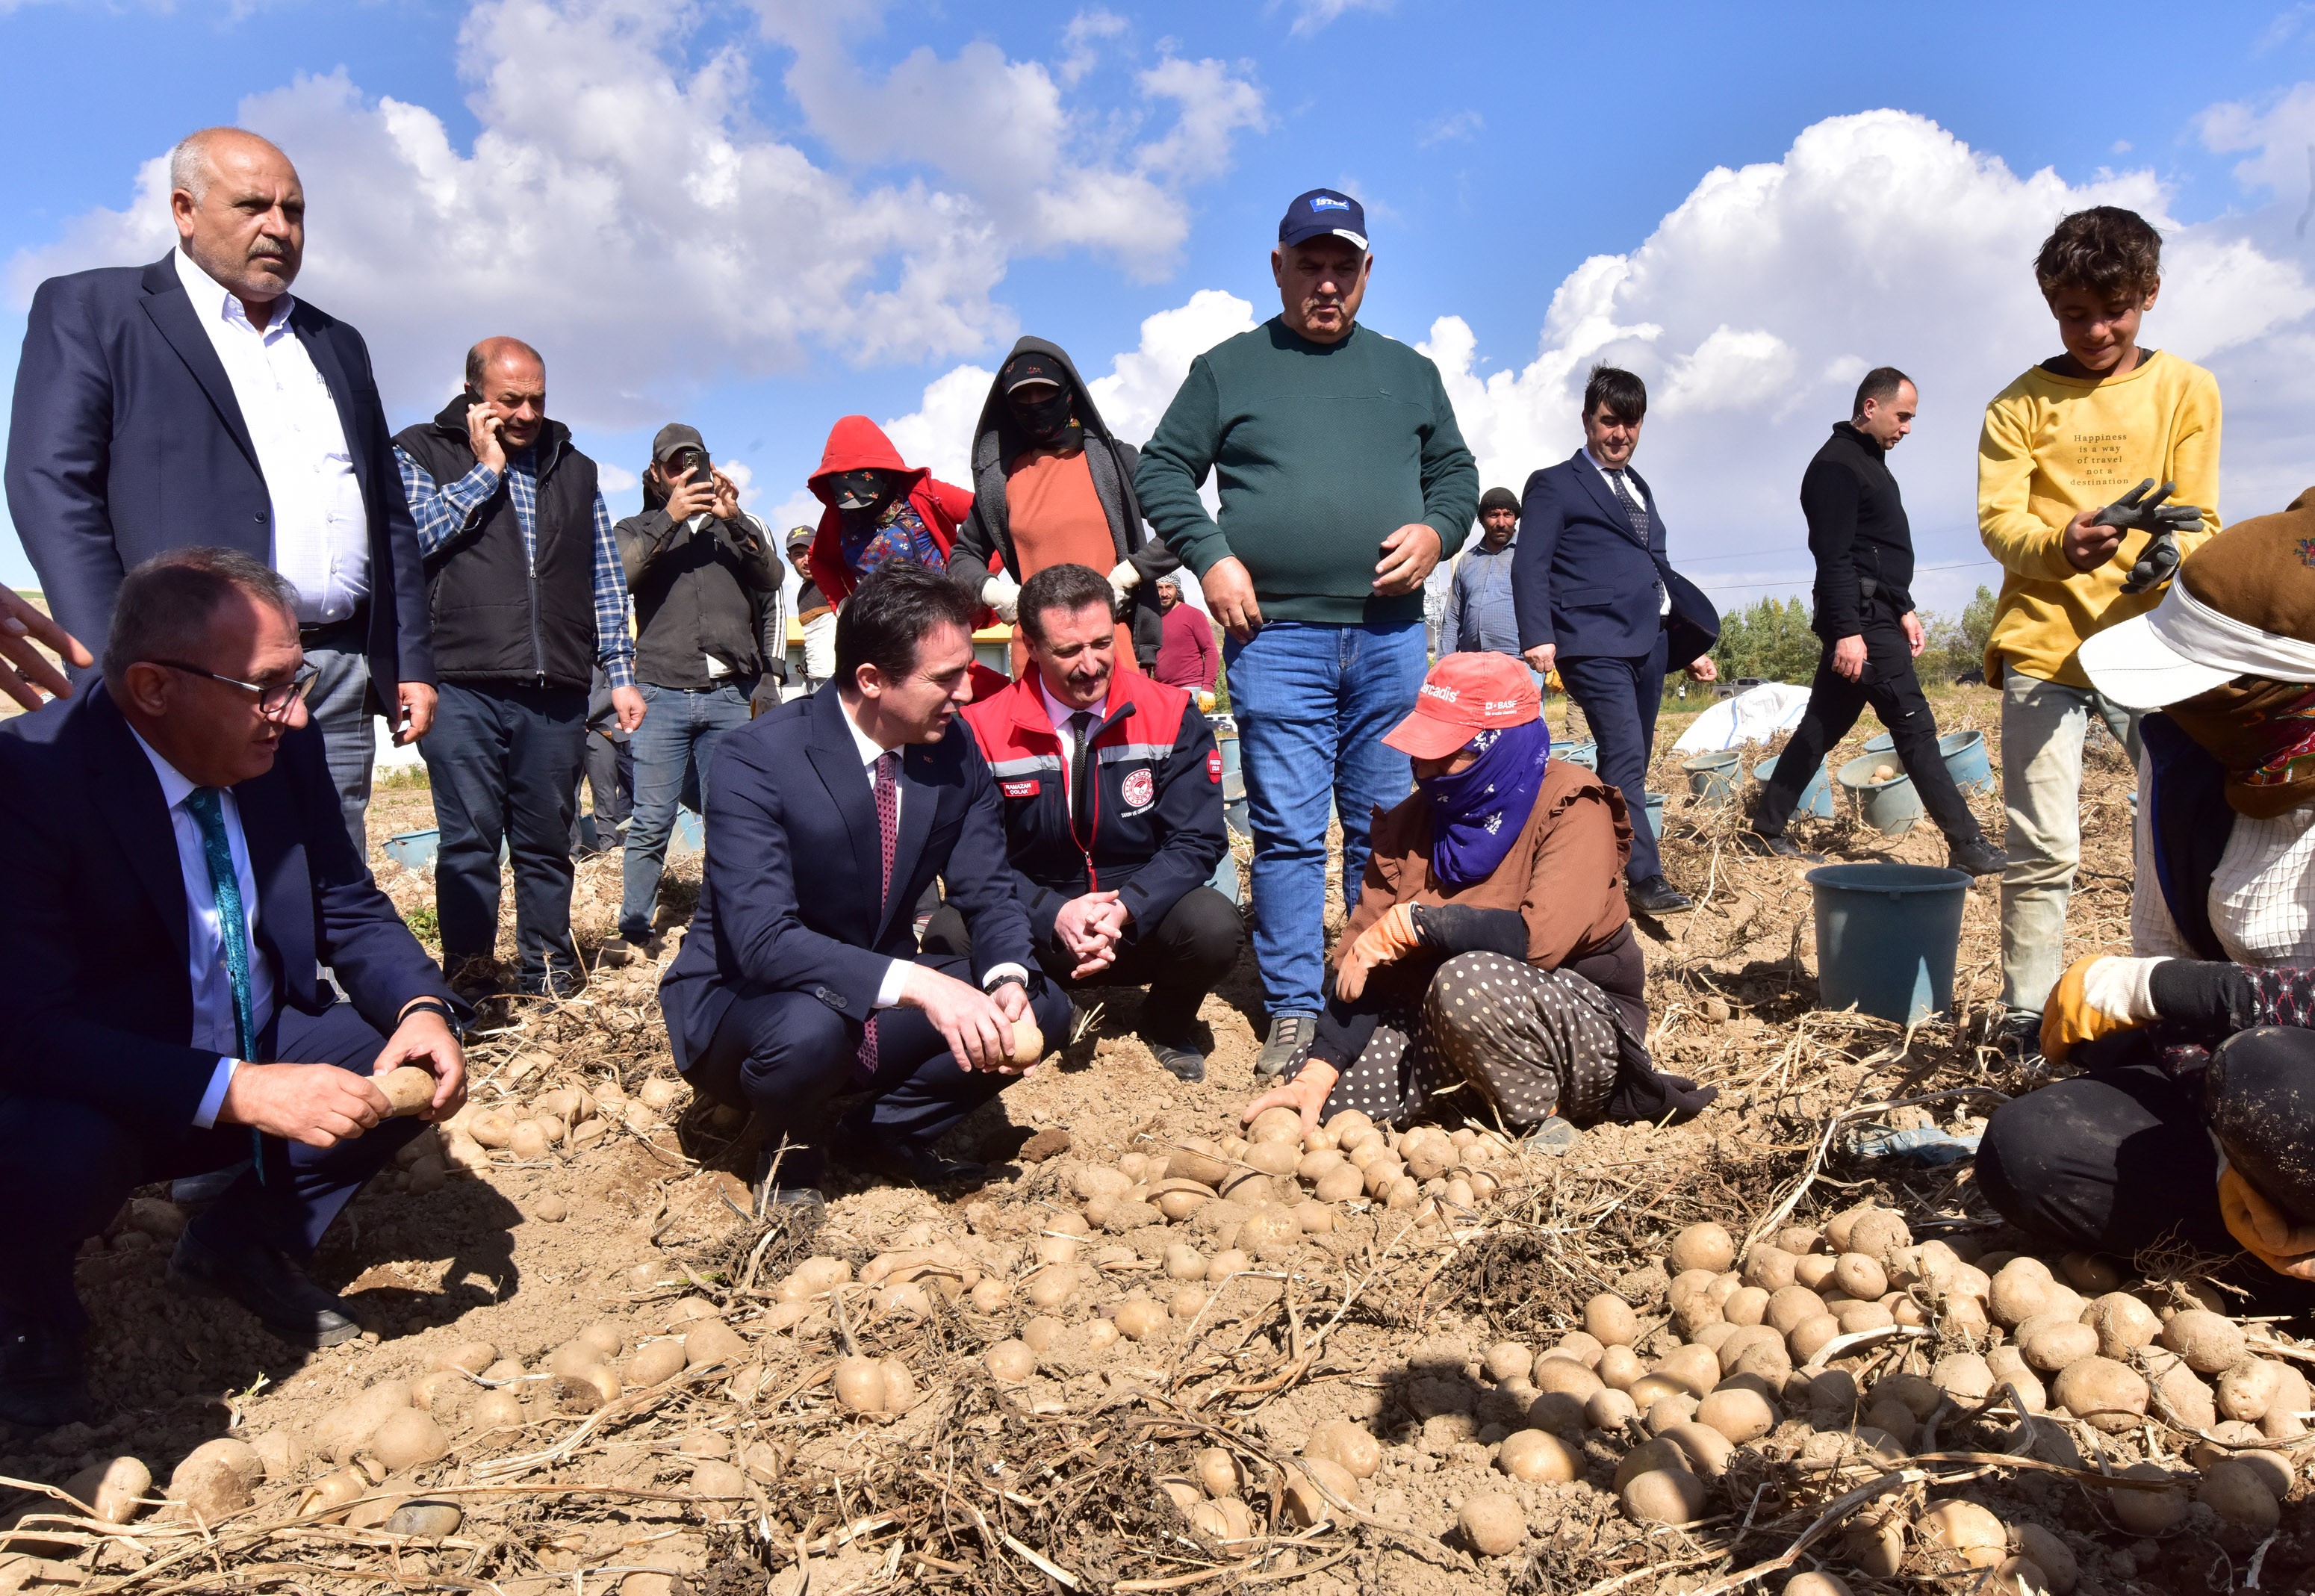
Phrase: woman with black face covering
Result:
[1052,487]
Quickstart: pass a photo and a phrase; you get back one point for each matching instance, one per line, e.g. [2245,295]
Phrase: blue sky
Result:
[760,216]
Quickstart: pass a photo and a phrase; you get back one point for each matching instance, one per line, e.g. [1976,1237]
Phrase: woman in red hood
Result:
[878,506]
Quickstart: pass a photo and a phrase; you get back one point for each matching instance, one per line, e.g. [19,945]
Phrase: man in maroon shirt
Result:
[1186,655]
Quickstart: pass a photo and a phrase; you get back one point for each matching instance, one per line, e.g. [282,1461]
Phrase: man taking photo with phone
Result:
[710,647]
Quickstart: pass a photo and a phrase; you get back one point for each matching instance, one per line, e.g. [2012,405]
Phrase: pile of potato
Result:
[557,1122]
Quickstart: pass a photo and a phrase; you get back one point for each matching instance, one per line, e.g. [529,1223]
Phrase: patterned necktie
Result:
[888,838]
[1080,757]
[1634,511]
[233,925]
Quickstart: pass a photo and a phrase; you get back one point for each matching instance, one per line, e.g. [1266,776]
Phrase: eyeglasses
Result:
[273,698]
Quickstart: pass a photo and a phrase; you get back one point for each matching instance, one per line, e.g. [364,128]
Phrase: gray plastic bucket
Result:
[1586,754]
[1882,744]
[1815,799]
[1713,777]
[1966,760]
[1655,807]
[1886,936]
[1889,806]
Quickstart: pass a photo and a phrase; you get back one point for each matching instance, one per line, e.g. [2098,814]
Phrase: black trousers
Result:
[504,765]
[1621,699]
[2119,1160]
[785,1055]
[1180,960]
[66,1167]
[1890,685]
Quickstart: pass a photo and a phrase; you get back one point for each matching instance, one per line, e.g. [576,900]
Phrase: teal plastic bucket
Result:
[1655,805]
[1966,760]
[1882,744]
[1224,878]
[1890,807]
[1713,777]
[1586,754]
[1815,799]
[1886,936]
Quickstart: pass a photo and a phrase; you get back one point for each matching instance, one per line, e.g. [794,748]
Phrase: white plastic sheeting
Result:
[1754,716]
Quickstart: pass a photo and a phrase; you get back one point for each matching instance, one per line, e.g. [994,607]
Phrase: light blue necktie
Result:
[233,933]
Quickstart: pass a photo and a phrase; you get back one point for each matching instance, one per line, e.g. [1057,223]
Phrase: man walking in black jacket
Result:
[706,587]
[1865,613]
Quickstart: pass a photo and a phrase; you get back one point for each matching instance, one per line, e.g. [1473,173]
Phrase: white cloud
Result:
[621,207]
[1878,238]
[1460,127]
[1312,15]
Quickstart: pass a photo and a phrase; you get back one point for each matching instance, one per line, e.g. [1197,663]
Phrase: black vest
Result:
[496,618]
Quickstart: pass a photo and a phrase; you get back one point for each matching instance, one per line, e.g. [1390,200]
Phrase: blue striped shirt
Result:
[447,514]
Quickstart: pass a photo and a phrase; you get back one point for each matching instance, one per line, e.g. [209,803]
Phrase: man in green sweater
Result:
[1344,480]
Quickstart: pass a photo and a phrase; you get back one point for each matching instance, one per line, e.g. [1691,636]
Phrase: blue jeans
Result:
[1312,704]
[680,730]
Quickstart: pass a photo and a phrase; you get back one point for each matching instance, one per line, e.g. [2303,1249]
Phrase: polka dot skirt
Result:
[1532,1042]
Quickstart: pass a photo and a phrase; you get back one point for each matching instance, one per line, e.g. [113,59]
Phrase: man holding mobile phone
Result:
[710,647]
[528,595]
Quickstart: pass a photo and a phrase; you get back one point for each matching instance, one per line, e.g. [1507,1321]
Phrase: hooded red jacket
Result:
[856,443]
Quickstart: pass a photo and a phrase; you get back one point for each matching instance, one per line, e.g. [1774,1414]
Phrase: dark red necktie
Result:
[888,838]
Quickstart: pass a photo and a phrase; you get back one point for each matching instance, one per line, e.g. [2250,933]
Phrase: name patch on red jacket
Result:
[1020,789]
[1214,766]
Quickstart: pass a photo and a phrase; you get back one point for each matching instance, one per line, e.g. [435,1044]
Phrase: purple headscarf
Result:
[1477,812]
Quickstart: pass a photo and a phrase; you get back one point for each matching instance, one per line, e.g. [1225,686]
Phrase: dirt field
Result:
[734,1462]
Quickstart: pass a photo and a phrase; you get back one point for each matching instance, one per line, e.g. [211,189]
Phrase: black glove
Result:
[2143,509]
[1458,928]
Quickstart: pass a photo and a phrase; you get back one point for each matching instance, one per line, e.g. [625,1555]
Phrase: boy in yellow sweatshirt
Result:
[2060,464]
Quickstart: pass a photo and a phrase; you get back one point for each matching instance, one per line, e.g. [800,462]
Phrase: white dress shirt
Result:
[321,531]
[1640,497]
[888,990]
[205,967]
[1059,713]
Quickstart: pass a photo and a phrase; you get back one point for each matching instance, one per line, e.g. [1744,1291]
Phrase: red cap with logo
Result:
[1464,694]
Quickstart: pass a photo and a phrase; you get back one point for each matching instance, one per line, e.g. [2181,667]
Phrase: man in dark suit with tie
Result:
[1597,601]
[801,978]
[179,872]
[196,403]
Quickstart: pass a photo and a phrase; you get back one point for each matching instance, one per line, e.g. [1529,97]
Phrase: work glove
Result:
[765,698]
[1205,701]
[2265,1231]
[2143,509]
[1122,578]
[1389,939]
[1002,594]
[2098,996]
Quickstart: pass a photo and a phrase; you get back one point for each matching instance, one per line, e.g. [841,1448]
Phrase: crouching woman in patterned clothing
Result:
[1490,963]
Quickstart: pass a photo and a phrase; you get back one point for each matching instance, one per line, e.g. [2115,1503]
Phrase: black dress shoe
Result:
[1977,856]
[264,1280]
[41,1383]
[1657,896]
[1775,845]
[898,1162]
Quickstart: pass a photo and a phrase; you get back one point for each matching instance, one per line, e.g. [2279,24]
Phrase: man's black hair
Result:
[1880,385]
[1611,385]
[2113,252]
[893,610]
[1066,587]
[165,605]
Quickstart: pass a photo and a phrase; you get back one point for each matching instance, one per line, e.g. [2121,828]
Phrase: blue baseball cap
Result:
[1321,212]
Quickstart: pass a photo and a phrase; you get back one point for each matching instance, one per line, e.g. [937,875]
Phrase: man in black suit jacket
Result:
[827,819]
[194,403]
[178,875]
[1598,602]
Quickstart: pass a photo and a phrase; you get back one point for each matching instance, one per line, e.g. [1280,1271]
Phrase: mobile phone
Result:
[693,463]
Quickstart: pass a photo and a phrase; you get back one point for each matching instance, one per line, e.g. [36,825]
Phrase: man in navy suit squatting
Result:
[802,978]
[1596,600]
[179,872]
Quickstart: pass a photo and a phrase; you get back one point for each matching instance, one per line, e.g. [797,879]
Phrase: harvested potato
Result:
[1707,1246]
[1860,1275]
[1219,1473]
[2051,1343]
[1662,1496]
[2123,1324]
[1964,1377]
[1815,1584]
[1609,1409]
[1011,1362]
[1769,1268]
[1539,1455]
[1790,1307]
[1740,1413]
[2248,1390]
[2210,1343]
[2236,1493]
[2050,1554]
[1967,1530]
[1708,1450]
[2144,1511]
[1746,1306]
[1609,1319]
[2018,1292]
[860,1385]
[1564,1374]
[1508,1359]
[1810,1336]
[1492,1523]
[2102,1393]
